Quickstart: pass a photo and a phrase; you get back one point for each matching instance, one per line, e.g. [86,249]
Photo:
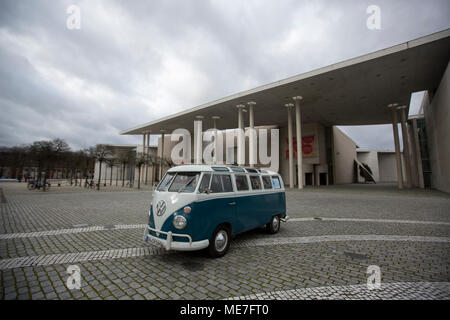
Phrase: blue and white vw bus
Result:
[199,206]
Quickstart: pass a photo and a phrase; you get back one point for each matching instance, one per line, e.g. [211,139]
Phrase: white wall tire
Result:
[220,242]
[274,225]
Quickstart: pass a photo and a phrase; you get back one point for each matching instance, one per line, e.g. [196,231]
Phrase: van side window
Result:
[267,183]
[221,183]
[276,182]
[256,183]
[241,182]
[205,183]
[227,186]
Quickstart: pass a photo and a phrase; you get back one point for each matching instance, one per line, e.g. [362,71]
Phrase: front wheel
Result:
[274,225]
[220,242]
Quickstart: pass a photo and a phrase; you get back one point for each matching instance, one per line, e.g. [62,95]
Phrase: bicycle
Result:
[31,185]
[46,186]
[89,184]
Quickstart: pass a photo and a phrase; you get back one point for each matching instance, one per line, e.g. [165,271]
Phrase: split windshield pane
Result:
[165,182]
[185,182]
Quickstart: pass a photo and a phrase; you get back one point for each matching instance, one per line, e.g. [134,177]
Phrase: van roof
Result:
[218,168]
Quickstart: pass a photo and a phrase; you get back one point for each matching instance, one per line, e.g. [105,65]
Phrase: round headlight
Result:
[179,222]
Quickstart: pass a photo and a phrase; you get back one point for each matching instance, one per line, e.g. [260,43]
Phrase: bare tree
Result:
[110,163]
[141,159]
[14,158]
[153,160]
[5,160]
[124,158]
[168,162]
[47,154]
[101,153]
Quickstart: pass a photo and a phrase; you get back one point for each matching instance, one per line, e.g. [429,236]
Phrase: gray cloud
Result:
[136,61]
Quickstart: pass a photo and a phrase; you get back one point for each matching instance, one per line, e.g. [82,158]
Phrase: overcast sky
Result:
[132,62]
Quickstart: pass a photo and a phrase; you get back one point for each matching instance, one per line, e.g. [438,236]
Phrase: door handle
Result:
[232,203]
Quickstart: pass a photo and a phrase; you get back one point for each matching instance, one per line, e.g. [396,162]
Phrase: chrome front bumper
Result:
[169,244]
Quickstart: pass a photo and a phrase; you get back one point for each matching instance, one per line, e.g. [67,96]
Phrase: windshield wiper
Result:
[167,185]
[187,183]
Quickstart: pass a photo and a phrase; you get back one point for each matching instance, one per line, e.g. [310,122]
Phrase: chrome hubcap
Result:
[221,240]
[275,223]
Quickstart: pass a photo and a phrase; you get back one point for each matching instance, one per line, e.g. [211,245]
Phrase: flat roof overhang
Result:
[121,146]
[352,92]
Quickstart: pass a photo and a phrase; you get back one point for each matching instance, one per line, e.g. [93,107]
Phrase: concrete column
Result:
[215,118]
[251,138]
[241,136]
[162,155]
[198,136]
[417,154]
[398,159]
[298,126]
[406,153]
[291,145]
[144,137]
[147,148]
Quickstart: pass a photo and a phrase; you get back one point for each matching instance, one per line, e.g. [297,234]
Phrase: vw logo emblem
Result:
[160,207]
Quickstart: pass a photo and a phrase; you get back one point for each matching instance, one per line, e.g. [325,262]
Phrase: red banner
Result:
[307,146]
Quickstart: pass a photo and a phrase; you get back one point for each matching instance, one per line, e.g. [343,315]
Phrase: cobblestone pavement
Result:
[323,252]
[391,291]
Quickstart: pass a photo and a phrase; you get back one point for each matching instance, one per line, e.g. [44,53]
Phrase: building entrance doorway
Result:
[308,179]
[323,179]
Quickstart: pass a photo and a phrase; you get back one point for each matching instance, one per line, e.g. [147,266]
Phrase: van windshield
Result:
[185,182]
[165,182]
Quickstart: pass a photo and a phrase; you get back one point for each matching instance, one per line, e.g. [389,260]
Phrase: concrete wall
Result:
[437,118]
[116,172]
[371,159]
[344,154]
[316,161]
[387,167]
[382,163]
